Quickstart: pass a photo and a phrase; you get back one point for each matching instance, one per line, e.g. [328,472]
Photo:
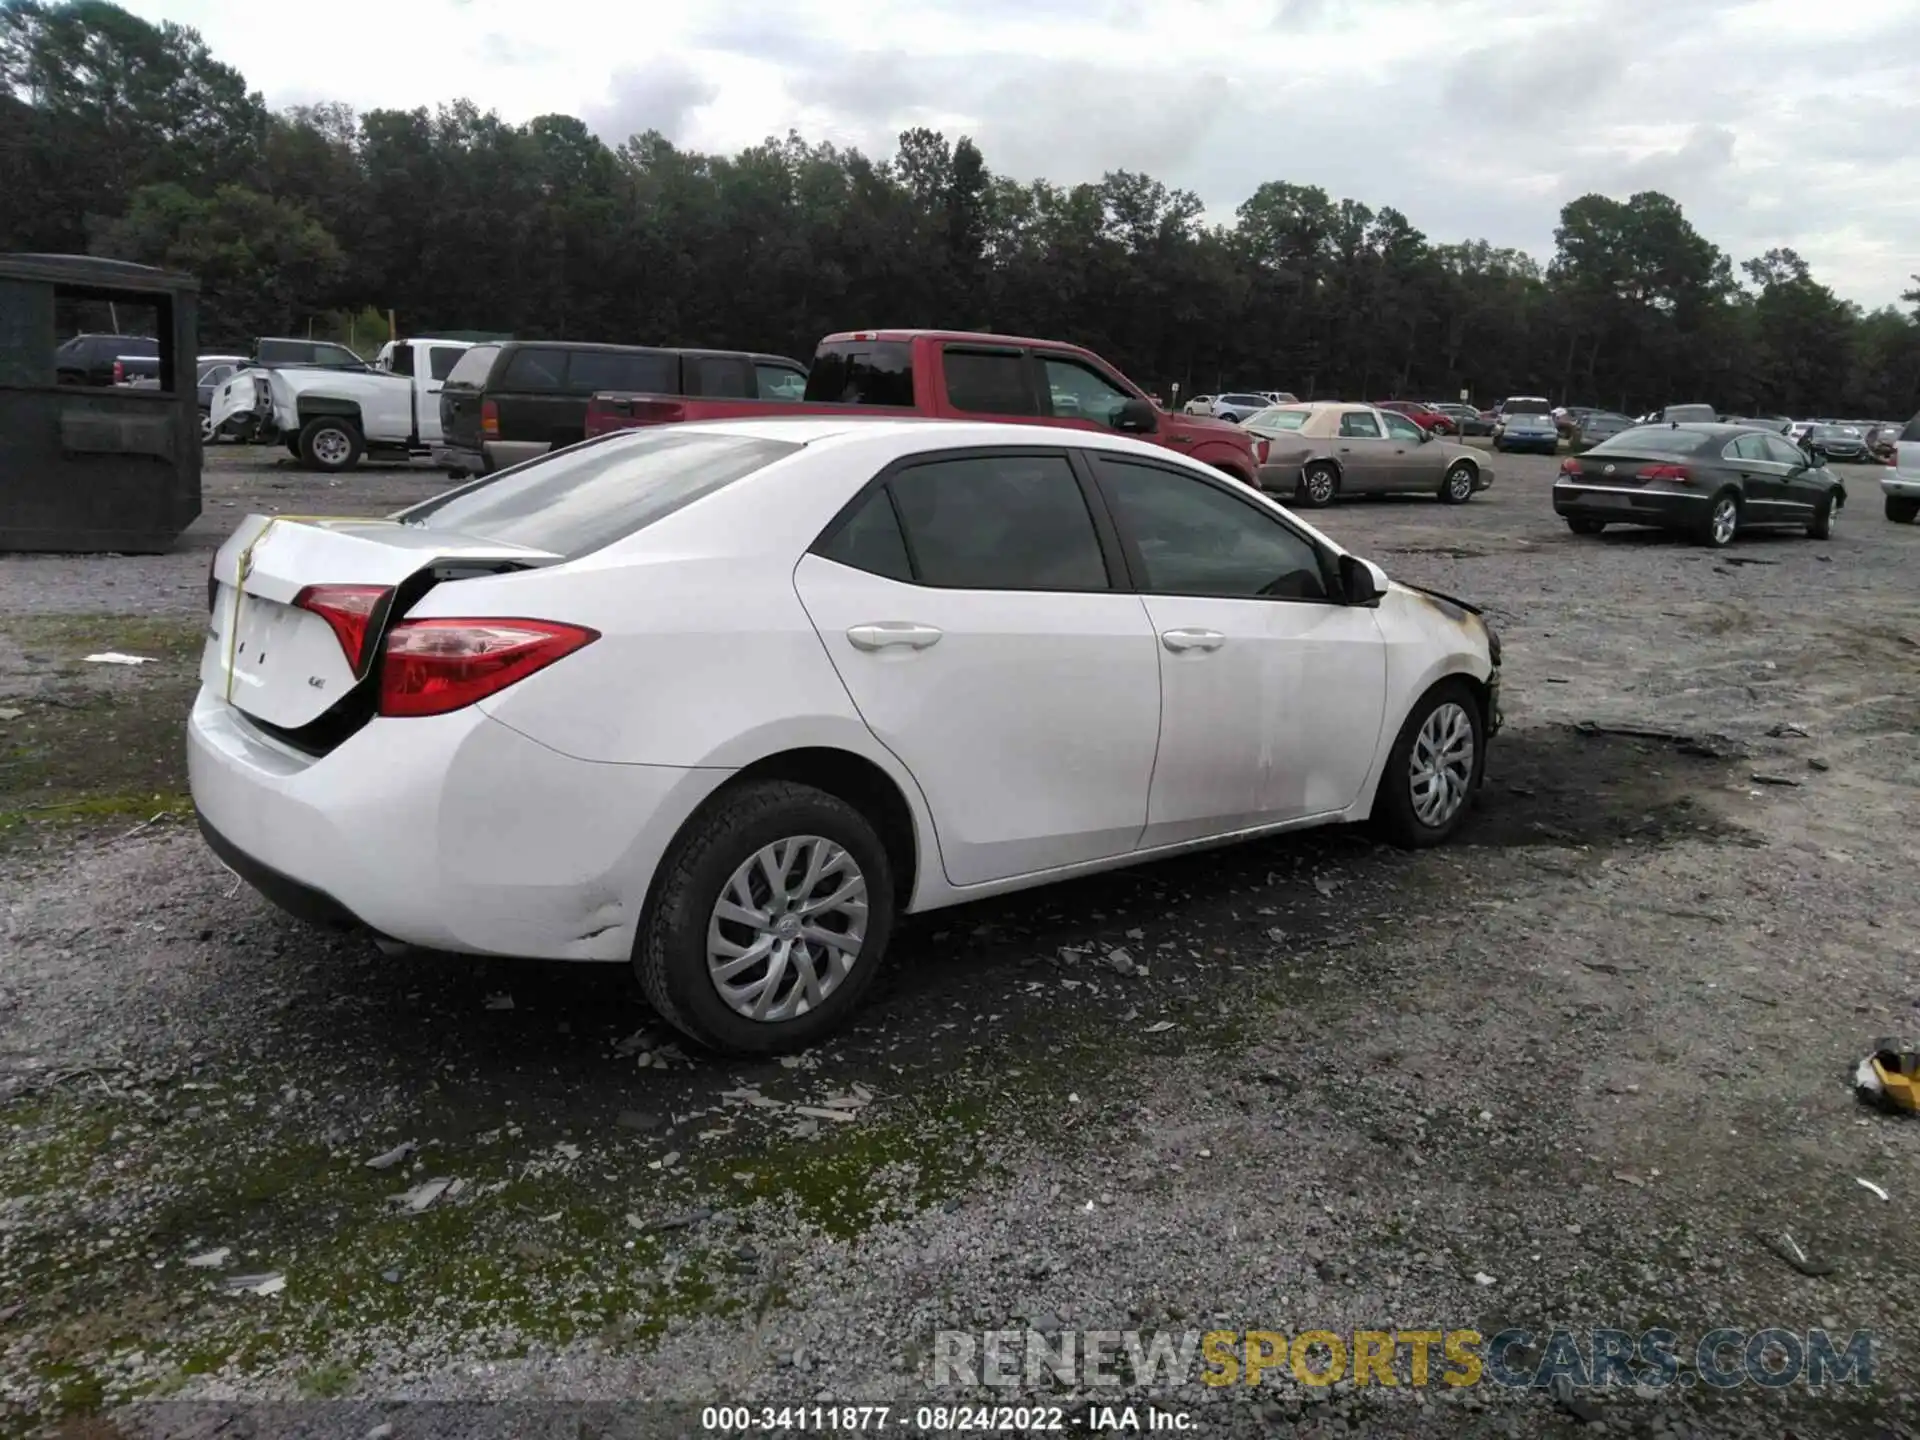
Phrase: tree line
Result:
[131,140]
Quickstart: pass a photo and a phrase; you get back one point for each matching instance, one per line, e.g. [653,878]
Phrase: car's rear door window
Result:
[863,372]
[1193,538]
[588,496]
[999,522]
[1359,425]
[870,539]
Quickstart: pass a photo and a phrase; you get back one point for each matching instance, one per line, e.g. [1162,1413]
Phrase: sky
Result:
[1772,122]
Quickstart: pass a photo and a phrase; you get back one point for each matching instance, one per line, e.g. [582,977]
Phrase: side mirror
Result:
[1361,581]
[1136,417]
[1425,436]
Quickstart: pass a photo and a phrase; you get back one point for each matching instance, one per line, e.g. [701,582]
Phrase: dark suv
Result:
[508,402]
[90,359]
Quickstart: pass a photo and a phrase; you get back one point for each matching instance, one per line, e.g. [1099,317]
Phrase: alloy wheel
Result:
[1460,483]
[787,929]
[1320,486]
[1726,519]
[1440,770]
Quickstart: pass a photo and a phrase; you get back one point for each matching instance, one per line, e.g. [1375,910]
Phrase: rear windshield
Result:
[587,496]
[1526,407]
[1911,435]
[1650,440]
[1243,400]
[473,366]
[1278,420]
[863,372]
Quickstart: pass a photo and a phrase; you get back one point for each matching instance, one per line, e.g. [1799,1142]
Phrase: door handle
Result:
[887,633]
[1183,640]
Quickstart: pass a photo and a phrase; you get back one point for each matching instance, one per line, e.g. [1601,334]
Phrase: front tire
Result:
[1902,509]
[1319,485]
[1457,487]
[1821,526]
[1433,769]
[771,915]
[1722,523]
[1580,526]
[331,443]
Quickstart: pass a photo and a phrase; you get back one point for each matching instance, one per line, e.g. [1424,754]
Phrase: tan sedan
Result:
[1321,451]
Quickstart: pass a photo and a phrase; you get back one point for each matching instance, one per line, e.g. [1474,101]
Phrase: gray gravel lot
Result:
[1579,1069]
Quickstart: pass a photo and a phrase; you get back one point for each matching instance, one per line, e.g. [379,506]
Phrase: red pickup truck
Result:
[953,375]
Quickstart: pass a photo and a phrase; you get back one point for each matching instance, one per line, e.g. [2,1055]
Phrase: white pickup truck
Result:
[332,417]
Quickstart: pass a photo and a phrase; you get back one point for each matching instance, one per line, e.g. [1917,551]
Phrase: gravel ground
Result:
[1582,1068]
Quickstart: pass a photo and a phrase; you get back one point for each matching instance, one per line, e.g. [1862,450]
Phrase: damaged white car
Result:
[725,700]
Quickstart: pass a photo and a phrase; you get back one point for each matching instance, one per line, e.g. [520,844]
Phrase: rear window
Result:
[580,499]
[1278,420]
[589,371]
[858,372]
[473,367]
[1911,435]
[1525,406]
[1650,440]
[1243,400]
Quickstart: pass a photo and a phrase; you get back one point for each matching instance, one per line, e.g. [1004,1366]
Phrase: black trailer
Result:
[87,464]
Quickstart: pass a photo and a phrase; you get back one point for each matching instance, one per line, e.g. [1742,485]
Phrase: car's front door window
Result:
[1193,538]
[1078,392]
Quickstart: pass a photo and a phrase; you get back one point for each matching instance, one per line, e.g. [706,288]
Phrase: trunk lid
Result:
[286,665]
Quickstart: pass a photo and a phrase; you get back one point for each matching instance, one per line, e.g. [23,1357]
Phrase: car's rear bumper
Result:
[453,832]
[1637,506]
[1547,444]
[1902,484]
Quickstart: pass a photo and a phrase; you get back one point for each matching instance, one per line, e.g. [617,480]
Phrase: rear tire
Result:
[1448,731]
[1319,486]
[1821,526]
[331,443]
[1458,485]
[1585,527]
[1716,532]
[672,953]
[1902,510]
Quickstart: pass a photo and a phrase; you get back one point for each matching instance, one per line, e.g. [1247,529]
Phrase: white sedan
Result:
[725,700]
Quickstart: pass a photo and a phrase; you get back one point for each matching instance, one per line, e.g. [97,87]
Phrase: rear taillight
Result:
[1679,474]
[1261,449]
[119,373]
[430,667]
[489,418]
[349,610]
[1570,466]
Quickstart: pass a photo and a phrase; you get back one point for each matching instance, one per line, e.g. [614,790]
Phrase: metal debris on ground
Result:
[10,712]
[1159,1026]
[210,1260]
[1869,1185]
[1760,779]
[1787,730]
[114,657]
[403,1151]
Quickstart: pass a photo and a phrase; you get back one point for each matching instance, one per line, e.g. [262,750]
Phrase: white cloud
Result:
[1771,122]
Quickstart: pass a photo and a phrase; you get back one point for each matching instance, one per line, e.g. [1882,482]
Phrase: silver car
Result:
[1319,452]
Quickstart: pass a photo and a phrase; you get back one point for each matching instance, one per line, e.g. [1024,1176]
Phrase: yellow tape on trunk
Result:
[246,568]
